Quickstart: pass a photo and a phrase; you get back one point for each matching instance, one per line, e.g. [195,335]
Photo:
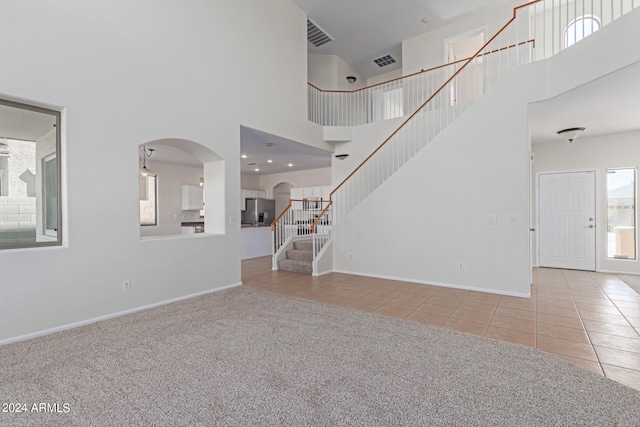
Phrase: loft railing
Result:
[382,101]
[548,23]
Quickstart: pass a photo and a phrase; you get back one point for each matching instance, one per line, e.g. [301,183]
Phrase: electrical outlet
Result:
[460,266]
[126,285]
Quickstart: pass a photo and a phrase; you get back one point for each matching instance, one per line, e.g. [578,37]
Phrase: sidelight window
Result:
[621,213]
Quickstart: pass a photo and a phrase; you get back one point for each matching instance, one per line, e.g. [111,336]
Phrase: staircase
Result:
[299,259]
[531,35]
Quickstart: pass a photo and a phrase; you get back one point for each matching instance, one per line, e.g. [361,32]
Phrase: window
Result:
[621,213]
[30,178]
[579,29]
[148,200]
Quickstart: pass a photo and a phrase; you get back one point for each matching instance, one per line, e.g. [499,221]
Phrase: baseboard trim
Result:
[112,315]
[442,284]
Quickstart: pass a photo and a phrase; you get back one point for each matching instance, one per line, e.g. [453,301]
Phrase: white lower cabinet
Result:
[255,242]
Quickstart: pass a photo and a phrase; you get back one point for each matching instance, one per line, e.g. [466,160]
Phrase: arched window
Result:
[579,29]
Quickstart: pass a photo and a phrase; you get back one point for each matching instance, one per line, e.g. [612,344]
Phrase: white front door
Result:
[567,220]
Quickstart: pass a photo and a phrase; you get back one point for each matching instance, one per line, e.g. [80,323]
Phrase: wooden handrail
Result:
[273,224]
[313,226]
[421,71]
[515,10]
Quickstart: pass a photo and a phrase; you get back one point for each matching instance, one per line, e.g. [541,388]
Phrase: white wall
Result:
[391,75]
[329,72]
[250,181]
[427,50]
[170,179]
[125,73]
[596,153]
[432,214]
[307,178]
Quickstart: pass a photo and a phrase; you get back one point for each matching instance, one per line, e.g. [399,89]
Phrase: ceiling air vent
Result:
[384,61]
[316,35]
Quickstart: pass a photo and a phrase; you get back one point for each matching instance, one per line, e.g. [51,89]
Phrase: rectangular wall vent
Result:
[316,35]
[384,61]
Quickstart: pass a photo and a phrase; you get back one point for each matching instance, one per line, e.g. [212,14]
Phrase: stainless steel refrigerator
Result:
[259,212]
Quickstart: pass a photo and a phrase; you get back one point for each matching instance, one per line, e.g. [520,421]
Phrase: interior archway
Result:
[181,184]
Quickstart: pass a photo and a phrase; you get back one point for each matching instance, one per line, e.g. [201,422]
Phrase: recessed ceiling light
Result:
[244,156]
[257,169]
[269,161]
[290,165]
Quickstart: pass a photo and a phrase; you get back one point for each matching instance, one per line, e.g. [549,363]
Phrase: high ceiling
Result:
[610,104]
[364,30]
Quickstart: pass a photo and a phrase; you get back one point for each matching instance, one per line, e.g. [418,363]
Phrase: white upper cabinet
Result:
[192,198]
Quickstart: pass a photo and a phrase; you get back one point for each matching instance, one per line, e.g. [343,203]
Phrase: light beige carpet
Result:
[247,357]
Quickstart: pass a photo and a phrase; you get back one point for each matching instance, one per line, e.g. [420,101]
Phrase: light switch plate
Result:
[512,219]
[492,219]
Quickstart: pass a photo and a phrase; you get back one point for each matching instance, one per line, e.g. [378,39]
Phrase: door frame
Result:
[596,240]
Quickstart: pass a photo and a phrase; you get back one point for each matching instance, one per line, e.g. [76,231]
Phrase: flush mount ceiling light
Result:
[146,153]
[351,79]
[570,133]
[341,156]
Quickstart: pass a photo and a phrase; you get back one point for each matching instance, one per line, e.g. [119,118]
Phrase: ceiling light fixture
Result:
[257,169]
[146,153]
[244,156]
[426,20]
[290,165]
[341,156]
[269,161]
[571,133]
[351,79]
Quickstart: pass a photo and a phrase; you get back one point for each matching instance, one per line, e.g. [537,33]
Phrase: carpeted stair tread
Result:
[303,245]
[300,255]
[295,266]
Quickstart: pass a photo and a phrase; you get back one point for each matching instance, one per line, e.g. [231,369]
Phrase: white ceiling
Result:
[364,30]
[610,104]
[26,125]
[259,147]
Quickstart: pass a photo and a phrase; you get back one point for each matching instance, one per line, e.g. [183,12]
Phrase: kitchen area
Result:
[256,213]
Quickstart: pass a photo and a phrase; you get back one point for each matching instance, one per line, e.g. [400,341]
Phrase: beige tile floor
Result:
[590,319]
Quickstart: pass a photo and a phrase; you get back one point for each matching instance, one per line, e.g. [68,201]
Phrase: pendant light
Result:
[146,153]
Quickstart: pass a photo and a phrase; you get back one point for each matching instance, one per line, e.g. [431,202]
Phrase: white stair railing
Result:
[536,31]
[299,220]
